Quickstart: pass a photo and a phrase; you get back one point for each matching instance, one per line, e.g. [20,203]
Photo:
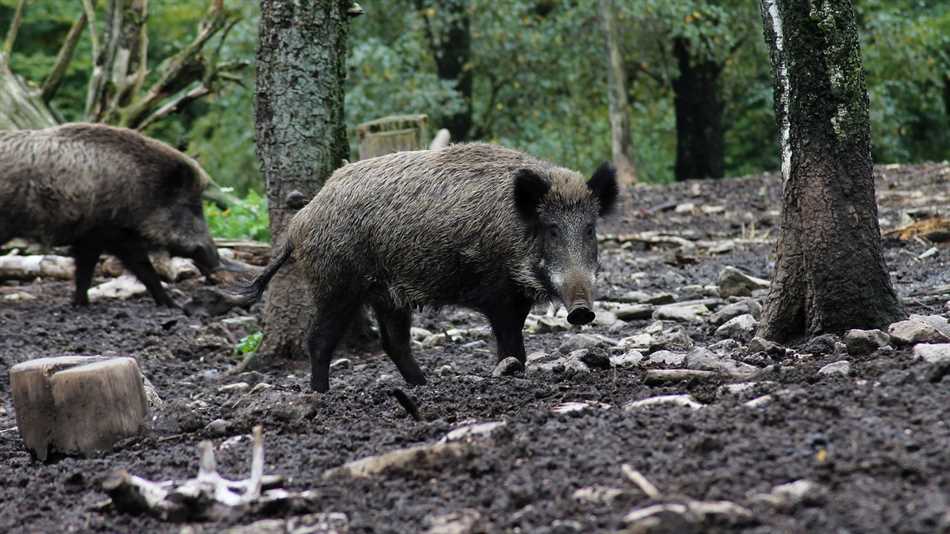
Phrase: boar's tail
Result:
[253,291]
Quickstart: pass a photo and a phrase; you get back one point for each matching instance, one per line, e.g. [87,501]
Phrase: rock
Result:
[860,342]
[735,283]
[655,377]
[574,362]
[634,312]
[842,367]
[741,327]
[321,523]
[580,341]
[419,334]
[630,358]
[678,400]
[665,357]
[823,344]
[509,366]
[237,387]
[477,430]
[576,407]
[730,311]
[940,323]
[692,313]
[435,340]
[445,370]
[675,339]
[552,324]
[660,298]
[122,288]
[706,360]
[604,318]
[933,353]
[467,521]
[912,331]
[595,358]
[787,496]
[77,404]
[341,363]
[758,344]
[597,494]
[218,427]
[726,346]
[639,341]
[419,455]
[536,356]
[740,388]
[758,402]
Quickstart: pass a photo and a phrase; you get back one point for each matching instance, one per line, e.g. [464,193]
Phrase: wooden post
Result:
[392,134]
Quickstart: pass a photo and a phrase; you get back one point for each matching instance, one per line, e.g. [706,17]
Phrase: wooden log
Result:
[77,404]
[30,267]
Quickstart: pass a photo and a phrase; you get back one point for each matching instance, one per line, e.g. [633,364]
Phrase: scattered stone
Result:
[660,298]
[758,402]
[639,341]
[740,388]
[937,321]
[467,521]
[731,311]
[788,496]
[321,523]
[654,377]
[638,297]
[574,364]
[634,312]
[121,288]
[758,344]
[595,358]
[580,341]
[665,357]
[706,360]
[842,367]
[477,430]
[604,318]
[536,355]
[263,386]
[630,358]
[341,363]
[692,313]
[726,346]
[933,353]
[552,324]
[575,407]
[18,296]
[678,400]
[597,494]
[419,334]
[741,327]
[435,340]
[445,370]
[218,427]
[237,387]
[425,454]
[509,366]
[912,331]
[861,342]
[735,283]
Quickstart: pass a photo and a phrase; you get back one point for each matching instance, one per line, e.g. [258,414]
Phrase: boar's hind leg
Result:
[86,255]
[135,258]
[507,322]
[394,332]
[326,329]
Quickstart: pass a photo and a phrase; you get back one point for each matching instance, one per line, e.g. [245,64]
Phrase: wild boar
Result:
[100,188]
[472,225]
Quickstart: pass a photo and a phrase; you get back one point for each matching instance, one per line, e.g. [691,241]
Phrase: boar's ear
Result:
[529,190]
[603,185]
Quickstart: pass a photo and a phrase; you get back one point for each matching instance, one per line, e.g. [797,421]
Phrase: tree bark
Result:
[698,105]
[620,136]
[451,45]
[830,274]
[301,136]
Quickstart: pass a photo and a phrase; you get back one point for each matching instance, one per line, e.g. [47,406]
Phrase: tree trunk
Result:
[301,136]
[620,137]
[830,273]
[451,45]
[699,133]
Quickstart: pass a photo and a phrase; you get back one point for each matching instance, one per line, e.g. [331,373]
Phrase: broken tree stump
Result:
[77,404]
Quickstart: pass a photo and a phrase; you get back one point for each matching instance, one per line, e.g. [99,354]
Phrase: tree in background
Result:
[830,274]
[621,141]
[301,135]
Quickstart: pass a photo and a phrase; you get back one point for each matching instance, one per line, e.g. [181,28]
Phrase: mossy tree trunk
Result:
[621,140]
[301,136]
[830,273]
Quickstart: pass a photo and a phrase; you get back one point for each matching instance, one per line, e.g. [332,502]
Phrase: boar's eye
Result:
[551,231]
[589,231]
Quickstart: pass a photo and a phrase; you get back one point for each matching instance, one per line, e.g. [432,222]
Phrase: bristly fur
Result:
[604,185]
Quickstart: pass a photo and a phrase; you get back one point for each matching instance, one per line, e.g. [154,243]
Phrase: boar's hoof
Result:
[580,315]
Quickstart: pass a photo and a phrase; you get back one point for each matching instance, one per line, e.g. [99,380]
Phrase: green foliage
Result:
[246,220]
[249,344]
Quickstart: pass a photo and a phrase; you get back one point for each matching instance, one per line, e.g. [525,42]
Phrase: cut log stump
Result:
[77,404]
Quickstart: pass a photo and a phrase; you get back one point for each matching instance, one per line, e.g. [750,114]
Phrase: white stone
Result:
[692,313]
[842,367]
[741,327]
[677,400]
[477,430]
[859,342]
[735,283]
[631,358]
[933,353]
[666,357]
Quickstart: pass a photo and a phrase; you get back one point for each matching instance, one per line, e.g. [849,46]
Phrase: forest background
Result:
[532,75]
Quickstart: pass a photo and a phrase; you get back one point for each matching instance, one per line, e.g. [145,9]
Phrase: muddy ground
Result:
[876,441]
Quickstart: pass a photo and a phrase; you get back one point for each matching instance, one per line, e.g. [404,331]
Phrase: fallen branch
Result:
[641,481]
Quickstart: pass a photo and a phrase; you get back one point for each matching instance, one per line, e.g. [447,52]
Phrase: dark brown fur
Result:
[439,228]
[100,188]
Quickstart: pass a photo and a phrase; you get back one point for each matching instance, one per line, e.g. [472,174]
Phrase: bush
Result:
[245,220]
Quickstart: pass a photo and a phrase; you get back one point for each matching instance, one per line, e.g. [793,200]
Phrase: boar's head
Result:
[561,213]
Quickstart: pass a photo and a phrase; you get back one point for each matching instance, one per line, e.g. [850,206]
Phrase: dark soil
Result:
[877,440]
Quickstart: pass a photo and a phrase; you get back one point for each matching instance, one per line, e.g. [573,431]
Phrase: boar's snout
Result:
[206,258]
[578,296]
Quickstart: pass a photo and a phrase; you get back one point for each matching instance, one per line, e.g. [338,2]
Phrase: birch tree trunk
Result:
[830,273]
[301,136]
[620,137]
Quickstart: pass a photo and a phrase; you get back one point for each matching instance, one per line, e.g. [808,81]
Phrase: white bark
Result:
[775,17]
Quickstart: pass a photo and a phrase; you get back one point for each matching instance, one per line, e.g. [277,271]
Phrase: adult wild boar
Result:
[100,188]
[473,225]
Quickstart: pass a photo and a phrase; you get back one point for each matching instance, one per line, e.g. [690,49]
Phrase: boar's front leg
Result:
[394,327]
[135,258]
[86,255]
[507,323]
